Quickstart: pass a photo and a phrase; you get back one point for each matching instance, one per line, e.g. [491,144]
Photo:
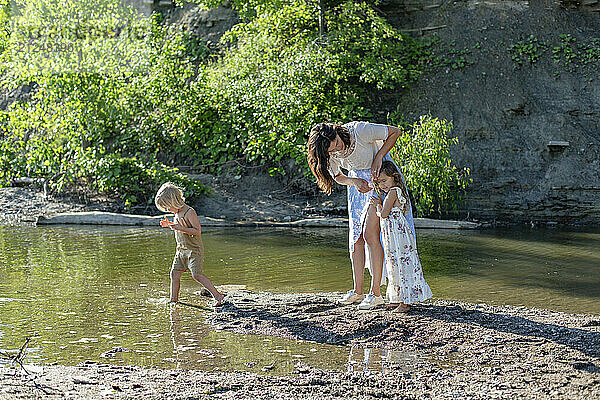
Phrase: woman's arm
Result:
[393,135]
[388,203]
[361,184]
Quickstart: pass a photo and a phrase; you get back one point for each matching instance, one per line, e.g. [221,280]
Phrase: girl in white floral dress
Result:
[405,275]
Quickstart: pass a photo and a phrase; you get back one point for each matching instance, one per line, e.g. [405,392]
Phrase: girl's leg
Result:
[373,242]
[204,281]
[175,283]
[358,264]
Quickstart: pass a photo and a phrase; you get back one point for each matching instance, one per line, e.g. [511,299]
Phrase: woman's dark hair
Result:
[319,140]
[388,168]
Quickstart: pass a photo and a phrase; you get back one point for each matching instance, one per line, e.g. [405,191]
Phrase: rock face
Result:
[206,24]
[529,133]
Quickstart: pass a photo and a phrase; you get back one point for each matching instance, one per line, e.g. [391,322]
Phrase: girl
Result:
[406,283]
[190,250]
[359,148]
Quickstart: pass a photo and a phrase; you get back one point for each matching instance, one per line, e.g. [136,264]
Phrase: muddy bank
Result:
[29,206]
[460,350]
[24,205]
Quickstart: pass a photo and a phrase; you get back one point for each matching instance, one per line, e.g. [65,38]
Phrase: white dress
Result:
[406,282]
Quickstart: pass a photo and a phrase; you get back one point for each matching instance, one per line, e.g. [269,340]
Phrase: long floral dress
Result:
[405,274]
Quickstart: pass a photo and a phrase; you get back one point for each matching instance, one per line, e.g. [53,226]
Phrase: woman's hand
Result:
[362,185]
[376,166]
[375,201]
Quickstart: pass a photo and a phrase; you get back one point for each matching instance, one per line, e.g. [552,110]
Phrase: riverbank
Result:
[457,350]
[27,206]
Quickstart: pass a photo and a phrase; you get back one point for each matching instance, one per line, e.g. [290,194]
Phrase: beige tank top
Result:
[185,241]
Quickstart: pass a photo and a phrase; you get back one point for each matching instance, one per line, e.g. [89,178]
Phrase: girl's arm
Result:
[361,184]
[388,203]
[393,135]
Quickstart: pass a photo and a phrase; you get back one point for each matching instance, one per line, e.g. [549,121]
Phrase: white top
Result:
[365,141]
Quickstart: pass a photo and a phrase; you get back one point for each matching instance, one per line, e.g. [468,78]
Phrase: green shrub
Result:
[280,77]
[154,97]
[423,153]
[136,182]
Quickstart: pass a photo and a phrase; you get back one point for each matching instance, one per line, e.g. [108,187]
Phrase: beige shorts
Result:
[187,260]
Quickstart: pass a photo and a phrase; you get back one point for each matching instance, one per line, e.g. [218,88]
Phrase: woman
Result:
[359,148]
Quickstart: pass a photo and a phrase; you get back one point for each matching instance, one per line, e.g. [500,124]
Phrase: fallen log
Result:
[108,218]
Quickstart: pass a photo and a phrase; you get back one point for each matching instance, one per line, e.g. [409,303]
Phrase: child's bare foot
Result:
[173,301]
[402,308]
[219,301]
[389,306]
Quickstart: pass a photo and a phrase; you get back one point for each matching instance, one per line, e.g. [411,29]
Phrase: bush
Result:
[137,182]
[120,127]
[280,77]
[423,154]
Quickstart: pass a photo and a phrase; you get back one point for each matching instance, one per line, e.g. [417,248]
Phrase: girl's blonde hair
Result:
[169,196]
[388,168]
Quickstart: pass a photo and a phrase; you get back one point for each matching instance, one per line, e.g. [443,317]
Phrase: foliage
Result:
[133,180]
[281,77]
[147,97]
[423,152]
[530,50]
[570,54]
[435,55]
[106,128]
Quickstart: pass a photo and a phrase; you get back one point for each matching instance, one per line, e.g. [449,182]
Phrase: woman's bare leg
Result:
[358,264]
[373,242]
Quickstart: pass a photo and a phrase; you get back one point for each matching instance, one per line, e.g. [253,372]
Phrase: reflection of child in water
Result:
[190,250]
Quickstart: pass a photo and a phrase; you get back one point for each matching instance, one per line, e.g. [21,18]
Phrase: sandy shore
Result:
[465,351]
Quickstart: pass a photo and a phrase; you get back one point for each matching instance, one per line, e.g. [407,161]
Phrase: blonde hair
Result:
[169,196]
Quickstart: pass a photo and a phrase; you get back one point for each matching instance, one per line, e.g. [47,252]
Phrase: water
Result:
[81,292]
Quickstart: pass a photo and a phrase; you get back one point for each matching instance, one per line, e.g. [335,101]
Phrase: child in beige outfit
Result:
[190,250]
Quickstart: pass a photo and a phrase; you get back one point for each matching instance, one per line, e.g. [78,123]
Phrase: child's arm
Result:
[388,203]
[192,218]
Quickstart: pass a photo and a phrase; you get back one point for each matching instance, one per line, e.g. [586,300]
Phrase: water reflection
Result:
[380,360]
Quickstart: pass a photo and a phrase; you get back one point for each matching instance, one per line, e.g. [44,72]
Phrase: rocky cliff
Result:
[523,92]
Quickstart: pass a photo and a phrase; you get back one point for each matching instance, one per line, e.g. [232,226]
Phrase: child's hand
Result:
[175,227]
[165,222]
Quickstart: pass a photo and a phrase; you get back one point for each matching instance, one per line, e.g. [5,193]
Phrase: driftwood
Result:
[18,358]
[106,218]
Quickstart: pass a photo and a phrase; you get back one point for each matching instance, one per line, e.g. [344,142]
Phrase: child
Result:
[406,283]
[190,250]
